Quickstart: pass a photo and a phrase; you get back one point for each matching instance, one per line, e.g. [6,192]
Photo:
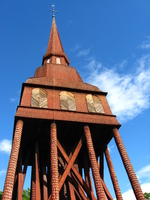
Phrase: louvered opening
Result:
[98,105]
[90,103]
[67,101]
[39,98]
[94,104]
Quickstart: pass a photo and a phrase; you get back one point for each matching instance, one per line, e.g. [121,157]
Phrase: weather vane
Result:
[53,10]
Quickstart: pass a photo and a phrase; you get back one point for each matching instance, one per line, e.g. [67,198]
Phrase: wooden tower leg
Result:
[92,157]
[128,166]
[33,187]
[20,180]
[101,163]
[54,163]
[10,177]
[113,175]
[25,167]
[49,181]
[87,171]
[45,190]
[37,176]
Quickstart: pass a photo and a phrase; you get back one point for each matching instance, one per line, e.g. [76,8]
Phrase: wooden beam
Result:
[37,177]
[44,182]
[20,179]
[33,184]
[128,166]
[49,181]
[113,175]
[87,173]
[107,191]
[101,163]
[79,190]
[54,163]
[12,166]
[26,165]
[76,173]
[71,189]
[95,171]
[70,163]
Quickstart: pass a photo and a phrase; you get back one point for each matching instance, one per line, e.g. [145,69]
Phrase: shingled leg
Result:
[54,163]
[10,177]
[128,166]
[113,175]
[92,157]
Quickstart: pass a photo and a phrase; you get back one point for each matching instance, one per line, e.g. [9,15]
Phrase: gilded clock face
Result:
[39,98]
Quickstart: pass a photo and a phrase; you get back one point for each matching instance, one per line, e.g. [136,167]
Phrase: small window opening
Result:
[58,61]
[48,61]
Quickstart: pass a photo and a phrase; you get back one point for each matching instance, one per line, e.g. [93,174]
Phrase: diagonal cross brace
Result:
[70,163]
[76,173]
[77,187]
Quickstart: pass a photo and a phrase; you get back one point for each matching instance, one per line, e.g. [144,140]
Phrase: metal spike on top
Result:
[53,10]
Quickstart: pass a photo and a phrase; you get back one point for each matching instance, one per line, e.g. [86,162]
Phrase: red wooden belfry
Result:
[62,129]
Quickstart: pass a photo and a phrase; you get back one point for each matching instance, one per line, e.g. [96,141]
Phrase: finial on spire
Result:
[53,10]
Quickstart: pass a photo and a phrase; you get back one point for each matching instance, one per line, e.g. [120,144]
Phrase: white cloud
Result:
[110,148]
[91,65]
[130,195]
[122,64]
[146,44]
[84,52]
[2,172]
[5,146]
[128,94]
[13,99]
[144,174]
[75,47]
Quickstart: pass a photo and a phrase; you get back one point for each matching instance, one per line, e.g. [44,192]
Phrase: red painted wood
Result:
[97,180]
[113,175]
[10,177]
[128,166]
[20,180]
[37,176]
[70,163]
[87,173]
[55,78]
[54,163]
[33,183]
[76,173]
[101,164]
[79,189]
[44,182]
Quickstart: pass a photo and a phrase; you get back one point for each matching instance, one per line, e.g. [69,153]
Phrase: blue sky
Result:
[108,42]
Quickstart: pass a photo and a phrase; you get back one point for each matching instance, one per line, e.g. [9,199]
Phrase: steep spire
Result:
[55,53]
